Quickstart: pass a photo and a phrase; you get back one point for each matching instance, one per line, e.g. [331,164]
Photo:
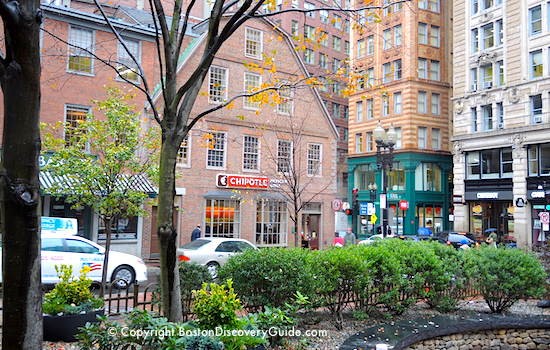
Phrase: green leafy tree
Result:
[20,197]
[101,160]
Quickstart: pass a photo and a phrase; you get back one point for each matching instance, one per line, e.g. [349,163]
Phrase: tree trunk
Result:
[20,80]
[107,221]
[169,273]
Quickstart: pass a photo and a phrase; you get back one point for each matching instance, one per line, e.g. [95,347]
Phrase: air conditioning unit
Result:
[537,118]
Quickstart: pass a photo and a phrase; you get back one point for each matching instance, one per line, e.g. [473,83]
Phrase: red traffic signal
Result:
[348,211]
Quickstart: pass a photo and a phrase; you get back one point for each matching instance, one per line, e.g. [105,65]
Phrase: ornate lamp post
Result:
[385,141]
[372,191]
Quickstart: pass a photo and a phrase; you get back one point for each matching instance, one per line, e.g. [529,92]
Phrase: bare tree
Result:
[20,80]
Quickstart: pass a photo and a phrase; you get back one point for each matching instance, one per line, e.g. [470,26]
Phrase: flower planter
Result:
[65,327]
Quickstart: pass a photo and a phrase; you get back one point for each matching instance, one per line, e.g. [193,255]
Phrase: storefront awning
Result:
[135,183]
[219,194]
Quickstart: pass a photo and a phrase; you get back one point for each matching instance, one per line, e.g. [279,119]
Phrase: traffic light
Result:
[348,211]
[355,197]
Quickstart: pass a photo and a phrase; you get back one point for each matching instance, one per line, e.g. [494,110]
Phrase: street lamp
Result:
[372,191]
[385,141]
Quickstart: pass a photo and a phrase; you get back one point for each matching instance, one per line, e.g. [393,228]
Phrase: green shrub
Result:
[192,277]
[269,276]
[503,276]
[216,305]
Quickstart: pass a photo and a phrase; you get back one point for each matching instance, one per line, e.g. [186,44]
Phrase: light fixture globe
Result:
[379,133]
[391,135]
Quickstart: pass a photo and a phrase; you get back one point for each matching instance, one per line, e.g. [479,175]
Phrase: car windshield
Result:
[196,244]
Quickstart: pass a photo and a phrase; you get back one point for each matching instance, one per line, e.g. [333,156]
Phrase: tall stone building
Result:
[401,75]
[501,118]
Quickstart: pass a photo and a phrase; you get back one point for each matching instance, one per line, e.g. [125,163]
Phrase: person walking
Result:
[196,233]
[338,241]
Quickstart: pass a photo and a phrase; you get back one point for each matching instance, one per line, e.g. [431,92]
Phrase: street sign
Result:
[371,209]
[544,217]
[373,218]
[337,204]
[363,208]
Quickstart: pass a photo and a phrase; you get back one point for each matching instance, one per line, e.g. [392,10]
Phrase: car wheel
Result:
[123,276]
[213,269]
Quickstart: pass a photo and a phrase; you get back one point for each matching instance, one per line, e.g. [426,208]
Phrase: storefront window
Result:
[430,216]
[539,235]
[222,218]
[428,177]
[539,159]
[271,223]
[487,217]
[122,228]
[396,218]
[396,178]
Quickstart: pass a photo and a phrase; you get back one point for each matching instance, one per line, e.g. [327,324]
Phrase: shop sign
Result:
[242,181]
[537,194]
[403,205]
[487,195]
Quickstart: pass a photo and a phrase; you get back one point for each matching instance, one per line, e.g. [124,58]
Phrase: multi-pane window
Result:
[284,104]
[422,68]
[253,43]
[385,106]
[473,116]
[370,45]
[369,141]
[386,72]
[323,61]
[222,218]
[536,67]
[397,103]
[436,139]
[346,47]
[500,115]
[535,102]
[361,48]
[81,47]
[434,36]
[215,156]
[358,143]
[435,70]
[427,177]
[314,159]
[397,35]
[336,65]
[126,67]
[252,82]
[422,102]
[474,38]
[397,69]
[487,33]
[436,104]
[335,110]
[538,157]
[217,84]
[336,43]
[500,71]
[271,223]
[337,22]
[370,77]
[74,116]
[489,164]
[309,56]
[294,28]
[535,20]
[422,33]
[487,76]
[370,108]
[183,157]
[359,110]
[284,156]
[387,37]
[251,153]
[309,7]
[309,32]
[488,122]
[323,16]
[422,137]
[323,39]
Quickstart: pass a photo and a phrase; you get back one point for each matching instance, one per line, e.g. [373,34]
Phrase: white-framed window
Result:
[397,69]
[500,71]
[183,158]
[81,47]
[436,104]
[473,117]
[323,61]
[337,22]
[295,28]
[323,39]
[436,139]
[370,77]
[314,154]
[126,67]
[284,156]
[370,45]
[284,105]
[422,68]
[385,106]
[252,82]
[487,76]
[397,35]
[271,223]
[434,36]
[222,218]
[435,70]
[399,138]
[346,47]
[387,37]
[434,5]
[309,6]
[474,38]
[359,110]
[216,154]
[336,43]
[369,141]
[422,33]
[427,177]
[488,37]
[323,16]
[535,20]
[217,84]
[251,153]
[535,102]
[370,108]
[309,56]
[361,48]
[536,66]
[397,103]
[423,4]
[309,32]
[473,79]
[422,137]
[253,46]
[74,116]
[387,72]
[422,102]
[359,143]
[488,122]
[336,65]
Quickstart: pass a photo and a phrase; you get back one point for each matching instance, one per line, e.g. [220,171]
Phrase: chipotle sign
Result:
[242,181]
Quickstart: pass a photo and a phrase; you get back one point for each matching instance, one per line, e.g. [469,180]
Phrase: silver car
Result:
[213,252]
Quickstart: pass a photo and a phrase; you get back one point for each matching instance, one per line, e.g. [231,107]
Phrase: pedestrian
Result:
[350,238]
[196,233]
[338,241]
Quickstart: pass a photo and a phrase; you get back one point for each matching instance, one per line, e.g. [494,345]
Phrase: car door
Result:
[225,250]
[52,254]
[80,254]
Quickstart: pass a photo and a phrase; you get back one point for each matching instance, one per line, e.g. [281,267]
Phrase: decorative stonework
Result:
[457,152]
[517,146]
[513,95]
[459,106]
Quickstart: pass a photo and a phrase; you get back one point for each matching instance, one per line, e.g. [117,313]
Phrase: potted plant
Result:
[69,305]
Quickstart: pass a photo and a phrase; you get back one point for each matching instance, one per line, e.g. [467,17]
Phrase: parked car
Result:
[213,252]
[78,252]
[456,239]
[375,238]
